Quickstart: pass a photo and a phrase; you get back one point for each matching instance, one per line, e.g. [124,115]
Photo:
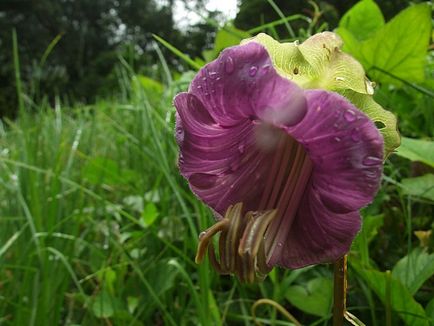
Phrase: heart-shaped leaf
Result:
[315,297]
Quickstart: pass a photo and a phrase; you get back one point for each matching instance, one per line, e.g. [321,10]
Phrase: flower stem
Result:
[340,291]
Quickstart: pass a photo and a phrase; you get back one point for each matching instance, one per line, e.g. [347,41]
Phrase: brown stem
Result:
[340,291]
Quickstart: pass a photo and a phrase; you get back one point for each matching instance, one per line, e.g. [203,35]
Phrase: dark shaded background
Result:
[95,33]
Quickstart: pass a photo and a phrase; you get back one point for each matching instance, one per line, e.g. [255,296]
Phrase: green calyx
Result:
[319,63]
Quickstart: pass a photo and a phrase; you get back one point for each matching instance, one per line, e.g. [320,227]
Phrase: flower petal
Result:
[242,84]
[346,150]
[225,126]
[318,235]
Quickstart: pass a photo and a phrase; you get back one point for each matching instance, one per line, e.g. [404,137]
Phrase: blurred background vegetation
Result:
[96,225]
[70,48]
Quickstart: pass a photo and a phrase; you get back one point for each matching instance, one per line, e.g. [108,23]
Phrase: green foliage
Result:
[417,150]
[363,20]
[97,226]
[392,293]
[396,50]
[314,297]
[422,186]
[414,269]
[226,36]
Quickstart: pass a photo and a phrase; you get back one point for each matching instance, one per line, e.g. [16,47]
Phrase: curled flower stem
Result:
[277,306]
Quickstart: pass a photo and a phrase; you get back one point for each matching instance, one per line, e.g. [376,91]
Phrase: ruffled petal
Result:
[225,126]
[242,84]
[346,150]
[318,235]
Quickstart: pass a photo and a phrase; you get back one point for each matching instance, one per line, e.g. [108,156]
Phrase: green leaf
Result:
[401,300]
[422,186]
[103,305]
[398,48]
[430,310]
[151,85]
[227,36]
[363,19]
[370,227]
[149,214]
[107,276]
[132,303]
[315,297]
[414,269]
[319,63]
[99,170]
[417,150]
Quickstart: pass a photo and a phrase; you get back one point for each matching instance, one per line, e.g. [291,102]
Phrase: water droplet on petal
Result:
[337,139]
[252,71]
[372,160]
[350,115]
[212,74]
[280,244]
[266,68]
[355,135]
[241,148]
[340,78]
[234,166]
[229,65]
[204,78]
[180,135]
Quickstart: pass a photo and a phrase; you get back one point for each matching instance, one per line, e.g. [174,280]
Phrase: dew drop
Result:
[241,148]
[229,65]
[234,166]
[280,244]
[252,71]
[372,160]
[371,174]
[266,68]
[350,116]
[339,78]
[180,135]
[337,139]
[204,78]
[355,135]
[212,74]
[202,234]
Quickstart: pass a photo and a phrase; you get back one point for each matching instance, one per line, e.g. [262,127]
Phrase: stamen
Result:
[289,201]
[205,237]
[241,244]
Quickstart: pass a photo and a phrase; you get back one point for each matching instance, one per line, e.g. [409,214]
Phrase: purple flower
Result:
[285,169]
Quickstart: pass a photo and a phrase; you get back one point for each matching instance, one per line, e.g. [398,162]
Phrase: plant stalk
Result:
[340,291]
